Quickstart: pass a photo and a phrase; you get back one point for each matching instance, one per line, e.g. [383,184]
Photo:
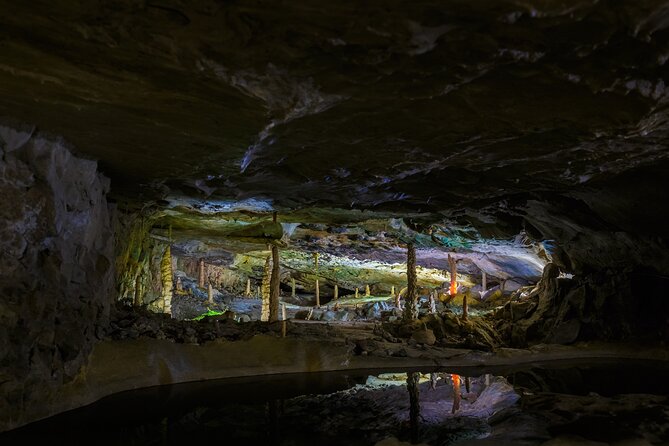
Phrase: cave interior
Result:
[365,223]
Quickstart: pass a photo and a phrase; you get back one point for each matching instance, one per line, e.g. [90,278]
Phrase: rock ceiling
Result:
[547,114]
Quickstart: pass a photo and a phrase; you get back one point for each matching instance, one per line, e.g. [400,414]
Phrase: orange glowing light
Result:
[456,380]
[454,276]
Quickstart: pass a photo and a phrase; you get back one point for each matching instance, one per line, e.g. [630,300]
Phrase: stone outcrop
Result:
[607,305]
[56,268]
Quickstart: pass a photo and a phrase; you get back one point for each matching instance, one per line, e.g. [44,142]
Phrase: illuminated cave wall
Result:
[56,267]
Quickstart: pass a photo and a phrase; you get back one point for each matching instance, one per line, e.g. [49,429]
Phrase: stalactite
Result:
[210,294]
[166,279]
[264,291]
[274,286]
[456,393]
[410,310]
[336,292]
[367,291]
[414,404]
[248,288]
[200,274]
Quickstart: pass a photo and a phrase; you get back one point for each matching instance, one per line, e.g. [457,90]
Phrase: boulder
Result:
[424,336]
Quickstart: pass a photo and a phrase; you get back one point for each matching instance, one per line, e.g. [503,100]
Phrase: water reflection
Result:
[436,407]
[414,404]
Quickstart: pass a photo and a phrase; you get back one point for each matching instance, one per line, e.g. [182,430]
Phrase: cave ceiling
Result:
[529,111]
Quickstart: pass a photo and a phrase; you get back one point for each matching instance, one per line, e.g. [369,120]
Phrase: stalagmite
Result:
[434,377]
[292,287]
[274,286]
[456,393]
[200,273]
[258,292]
[410,310]
[180,286]
[283,318]
[414,404]
[397,301]
[367,291]
[467,383]
[166,279]
[210,294]
[336,292]
[392,290]
[318,291]
[357,293]
[453,289]
[264,288]
[248,288]
[433,304]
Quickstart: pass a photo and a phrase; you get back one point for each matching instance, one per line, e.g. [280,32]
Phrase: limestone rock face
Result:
[56,267]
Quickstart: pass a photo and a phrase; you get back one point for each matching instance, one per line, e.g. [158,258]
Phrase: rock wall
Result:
[137,258]
[56,268]
[605,305]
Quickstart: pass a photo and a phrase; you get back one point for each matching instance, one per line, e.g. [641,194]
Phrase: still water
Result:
[603,402]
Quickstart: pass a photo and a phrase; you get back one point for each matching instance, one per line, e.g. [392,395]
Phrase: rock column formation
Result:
[265,291]
[274,286]
[166,280]
[200,273]
[410,310]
